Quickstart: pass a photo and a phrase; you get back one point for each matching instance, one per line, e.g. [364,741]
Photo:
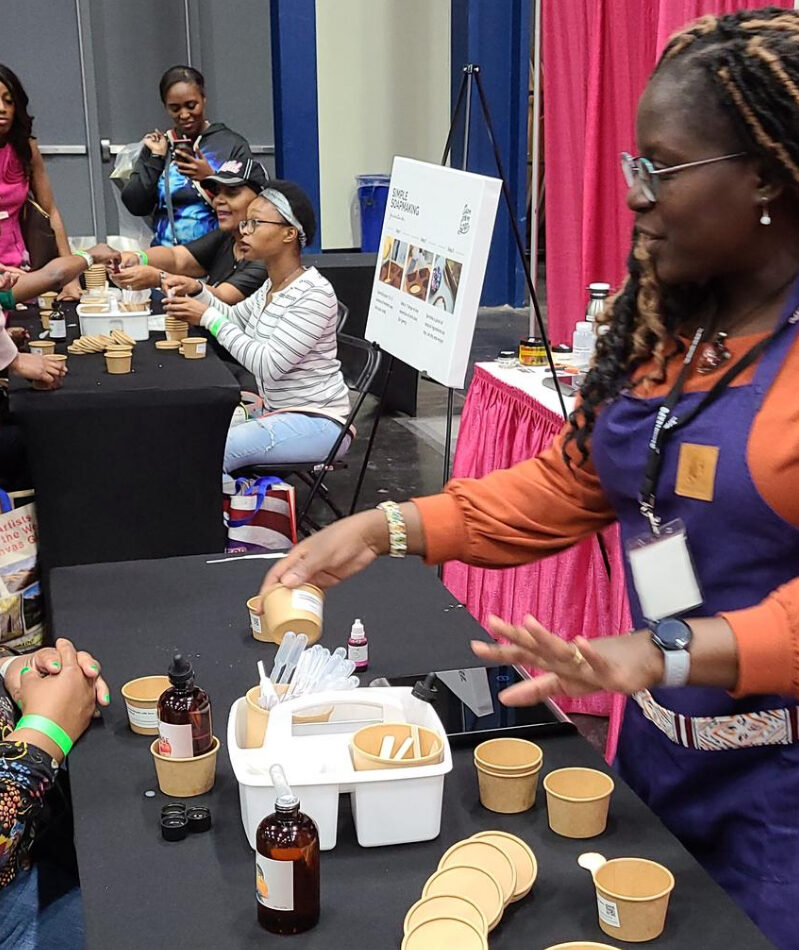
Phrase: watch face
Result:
[672,634]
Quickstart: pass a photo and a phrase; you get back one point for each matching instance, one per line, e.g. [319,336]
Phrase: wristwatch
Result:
[673,637]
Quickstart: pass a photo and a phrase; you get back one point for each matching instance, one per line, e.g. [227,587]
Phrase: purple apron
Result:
[736,810]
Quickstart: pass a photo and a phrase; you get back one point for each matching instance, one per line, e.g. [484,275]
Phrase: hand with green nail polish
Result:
[47,662]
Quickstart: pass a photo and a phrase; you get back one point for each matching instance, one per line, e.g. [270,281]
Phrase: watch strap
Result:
[676,667]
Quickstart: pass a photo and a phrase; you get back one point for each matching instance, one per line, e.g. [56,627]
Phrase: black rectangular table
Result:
[127,466]
[140,891]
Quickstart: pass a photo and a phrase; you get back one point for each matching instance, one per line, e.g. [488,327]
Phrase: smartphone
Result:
[183,145]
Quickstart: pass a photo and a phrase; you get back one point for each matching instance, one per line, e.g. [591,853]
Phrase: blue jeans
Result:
[289,437]
[41,909]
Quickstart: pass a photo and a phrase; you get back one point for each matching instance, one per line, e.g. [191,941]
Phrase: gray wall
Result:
[132,43]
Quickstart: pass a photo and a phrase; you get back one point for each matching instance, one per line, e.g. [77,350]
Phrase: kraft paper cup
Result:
[475,884]
[253,605]
[118,363]
[43,347]
[507,794]
[444,932]
[141,701]
[119,348]
[445,905]
[194,347]
[508,756]
[257,718]
[184,778]
[482,854]
[299,610]
[577,801]
[44,316]
[632,897]
[46,299]
[522,856]
[366,744]
[176,335]
[55,356]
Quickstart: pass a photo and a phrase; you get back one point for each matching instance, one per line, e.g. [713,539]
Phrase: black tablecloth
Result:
[127,466]
[140,891]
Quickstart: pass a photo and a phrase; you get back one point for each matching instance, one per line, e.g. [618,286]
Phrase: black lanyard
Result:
[666,423]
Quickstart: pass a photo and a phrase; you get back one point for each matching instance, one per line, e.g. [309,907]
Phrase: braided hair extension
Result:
[750,60]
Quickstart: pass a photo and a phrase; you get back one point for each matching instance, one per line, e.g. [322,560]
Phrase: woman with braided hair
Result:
[687,434]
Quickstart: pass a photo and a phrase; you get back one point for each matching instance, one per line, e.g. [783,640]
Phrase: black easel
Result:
[471,76]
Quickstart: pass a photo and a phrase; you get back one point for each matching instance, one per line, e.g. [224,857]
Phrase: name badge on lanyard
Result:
[660,561]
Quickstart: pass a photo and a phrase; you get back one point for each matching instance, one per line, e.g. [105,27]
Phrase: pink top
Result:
[14,188]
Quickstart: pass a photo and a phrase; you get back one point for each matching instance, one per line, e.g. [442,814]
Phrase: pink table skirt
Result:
[570,593]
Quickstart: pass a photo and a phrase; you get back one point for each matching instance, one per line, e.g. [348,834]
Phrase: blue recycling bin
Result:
[372,198]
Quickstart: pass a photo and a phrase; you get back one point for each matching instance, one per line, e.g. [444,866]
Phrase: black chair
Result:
[343,316]
[360,362]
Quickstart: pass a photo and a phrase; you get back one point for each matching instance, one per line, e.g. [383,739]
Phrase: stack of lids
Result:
[465,898]
[95,277]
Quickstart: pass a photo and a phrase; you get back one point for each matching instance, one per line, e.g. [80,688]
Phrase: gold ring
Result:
[577,656]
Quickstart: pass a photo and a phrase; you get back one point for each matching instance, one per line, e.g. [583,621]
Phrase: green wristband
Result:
[47,728]
[7,301]
[143,259]
[217,325]
[87,257]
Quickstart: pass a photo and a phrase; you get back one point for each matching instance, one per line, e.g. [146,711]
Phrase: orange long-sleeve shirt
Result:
[542,506]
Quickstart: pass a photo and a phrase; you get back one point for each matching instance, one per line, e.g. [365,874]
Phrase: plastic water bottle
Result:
[583,342]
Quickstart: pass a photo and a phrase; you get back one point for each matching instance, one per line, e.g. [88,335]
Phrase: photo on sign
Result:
[445,279]
[417,272]
[392,262]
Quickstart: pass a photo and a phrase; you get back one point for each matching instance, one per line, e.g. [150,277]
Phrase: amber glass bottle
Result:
[287,865]
[184,714]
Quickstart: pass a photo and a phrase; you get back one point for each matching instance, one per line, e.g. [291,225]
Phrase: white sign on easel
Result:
[430,269]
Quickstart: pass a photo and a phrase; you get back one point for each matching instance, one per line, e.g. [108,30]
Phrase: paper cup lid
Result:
[445,905]
[483,854]
[444,932]
[167,344]
[520,853]
[474,884]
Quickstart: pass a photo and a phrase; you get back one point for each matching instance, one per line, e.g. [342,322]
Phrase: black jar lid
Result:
[174,826]
[199,818]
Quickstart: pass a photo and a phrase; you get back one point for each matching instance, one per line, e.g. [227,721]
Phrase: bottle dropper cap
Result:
[285,799]
[180,671]
[357,632]
[426,690]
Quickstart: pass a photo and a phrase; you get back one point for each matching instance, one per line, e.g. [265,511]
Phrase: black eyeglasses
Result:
[248,225]
[641,171]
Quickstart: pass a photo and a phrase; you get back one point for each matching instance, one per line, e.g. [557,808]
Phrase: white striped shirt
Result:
[288,344]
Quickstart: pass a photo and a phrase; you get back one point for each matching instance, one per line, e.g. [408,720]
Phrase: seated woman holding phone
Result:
[166,179]
[216,255]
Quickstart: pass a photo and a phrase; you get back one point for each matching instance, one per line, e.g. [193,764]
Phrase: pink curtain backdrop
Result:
[570,593]
[596,58]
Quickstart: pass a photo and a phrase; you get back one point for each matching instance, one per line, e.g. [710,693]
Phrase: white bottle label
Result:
[274,883]
[175,741]
[358,654]
[255,622]
[143,718]
[201,349]
[305,600]
[608,911]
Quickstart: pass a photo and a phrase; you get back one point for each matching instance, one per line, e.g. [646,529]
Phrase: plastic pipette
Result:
[268,696]
[293,658]
[280,656]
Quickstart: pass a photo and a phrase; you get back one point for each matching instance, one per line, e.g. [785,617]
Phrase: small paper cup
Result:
[55,356]
[366,743]
[194,347]
[507,794]
[119,348]
[508,756]
[184,778]
[299,610]
[257,718]
[44,316]
[577,801]
[118,363]
[42,347]
[256,626]
[633,893]
[176,335]
[46,299]
[141,701]
[445,905]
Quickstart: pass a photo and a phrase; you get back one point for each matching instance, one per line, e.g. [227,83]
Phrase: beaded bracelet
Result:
[143,258]
[397,531]
[47,728]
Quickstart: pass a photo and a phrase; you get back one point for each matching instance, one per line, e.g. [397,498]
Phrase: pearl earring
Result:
[765,217]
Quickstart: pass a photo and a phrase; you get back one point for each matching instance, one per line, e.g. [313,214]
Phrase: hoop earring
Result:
[765,217]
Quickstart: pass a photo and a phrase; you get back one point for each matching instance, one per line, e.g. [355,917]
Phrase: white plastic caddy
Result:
[389,806]
[134,323]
